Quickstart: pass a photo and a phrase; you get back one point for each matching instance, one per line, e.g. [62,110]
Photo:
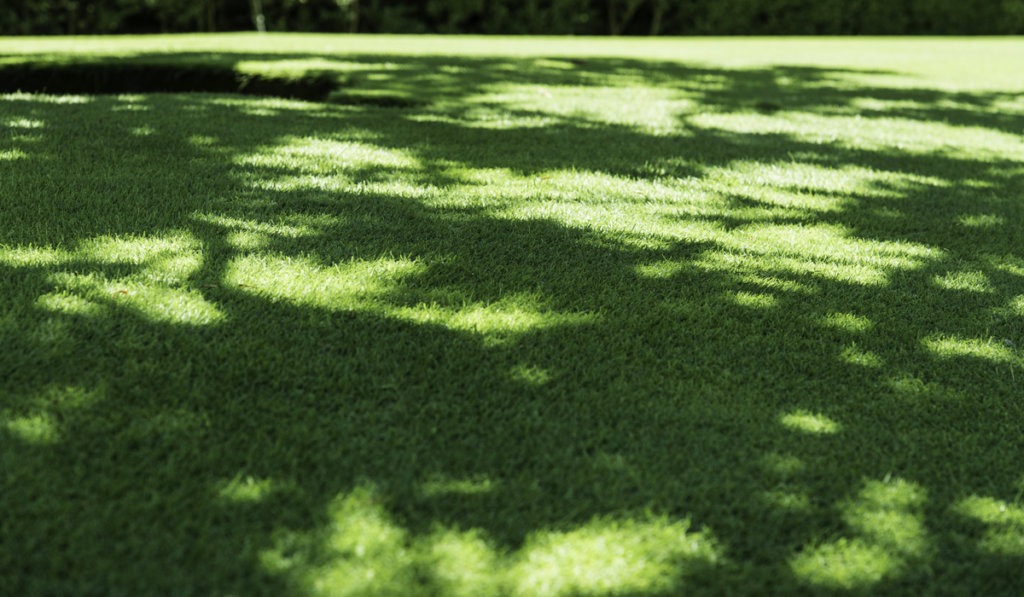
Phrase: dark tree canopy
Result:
[574,17]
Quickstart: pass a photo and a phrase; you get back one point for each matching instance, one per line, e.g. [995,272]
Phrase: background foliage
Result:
[580,17]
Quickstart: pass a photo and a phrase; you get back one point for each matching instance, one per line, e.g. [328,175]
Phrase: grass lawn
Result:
[516,317]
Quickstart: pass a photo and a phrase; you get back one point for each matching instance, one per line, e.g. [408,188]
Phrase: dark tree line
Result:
[578,17]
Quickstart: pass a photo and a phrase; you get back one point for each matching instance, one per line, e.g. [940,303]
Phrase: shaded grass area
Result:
[566,325]
[111,77]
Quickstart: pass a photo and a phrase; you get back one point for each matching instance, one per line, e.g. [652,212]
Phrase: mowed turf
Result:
[516,317]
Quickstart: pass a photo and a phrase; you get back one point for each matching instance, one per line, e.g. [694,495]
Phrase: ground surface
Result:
[527,317]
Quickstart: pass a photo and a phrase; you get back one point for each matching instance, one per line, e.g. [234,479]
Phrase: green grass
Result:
[558,317]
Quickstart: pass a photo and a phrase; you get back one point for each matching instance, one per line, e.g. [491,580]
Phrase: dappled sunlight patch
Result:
[888,522]
[811,423]
[169,259]
[245,490]
[246,240]
[831,243]
[874,104]
[201,140]
[1008,264]
[582,189]
[827,185]
[611,557]
[302,281]
[1004,524]
[734,262]
[1017,305]
[156,302]
[846,322]
[303,182]
[24,123]
[632,226]
[754,300]
[297,67]
[134,249]
[464,564]
[989,349]
[773,283]
[258,232]
[826,251]
[661,270]
[43,98]
[33,256]
[889,513]
[965,281]
[646,108]
[444,486]
[289,226]
[264,106]
[69,304]
[38,429]
[165,304]
[512,315]
[580,185]
[492,178]
[12,154]
[313,156]
[854,355]
[133,108]
[309,163]
[367,553]
[980,220]
[486,117]
[761,203]
[844,564]
[907,135]
[364,551]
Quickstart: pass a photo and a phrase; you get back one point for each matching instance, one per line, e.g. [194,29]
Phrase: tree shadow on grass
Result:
[284,348]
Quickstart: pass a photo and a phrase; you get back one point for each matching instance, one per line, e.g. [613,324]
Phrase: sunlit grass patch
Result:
[494,320]
[1003,522]
[37,429]
[755,300]
[886,518]
[608,557]
[302,281]
[848,322]
[12,154]
[969,281]
[368,553]
[70,304]
[981,220]
[989,349]
[618,105]
[862,358]
[463,564]
[246,490]
[811,423]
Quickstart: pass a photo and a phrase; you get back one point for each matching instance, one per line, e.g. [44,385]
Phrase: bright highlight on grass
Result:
[368,552]
[889,537]
[810,423]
